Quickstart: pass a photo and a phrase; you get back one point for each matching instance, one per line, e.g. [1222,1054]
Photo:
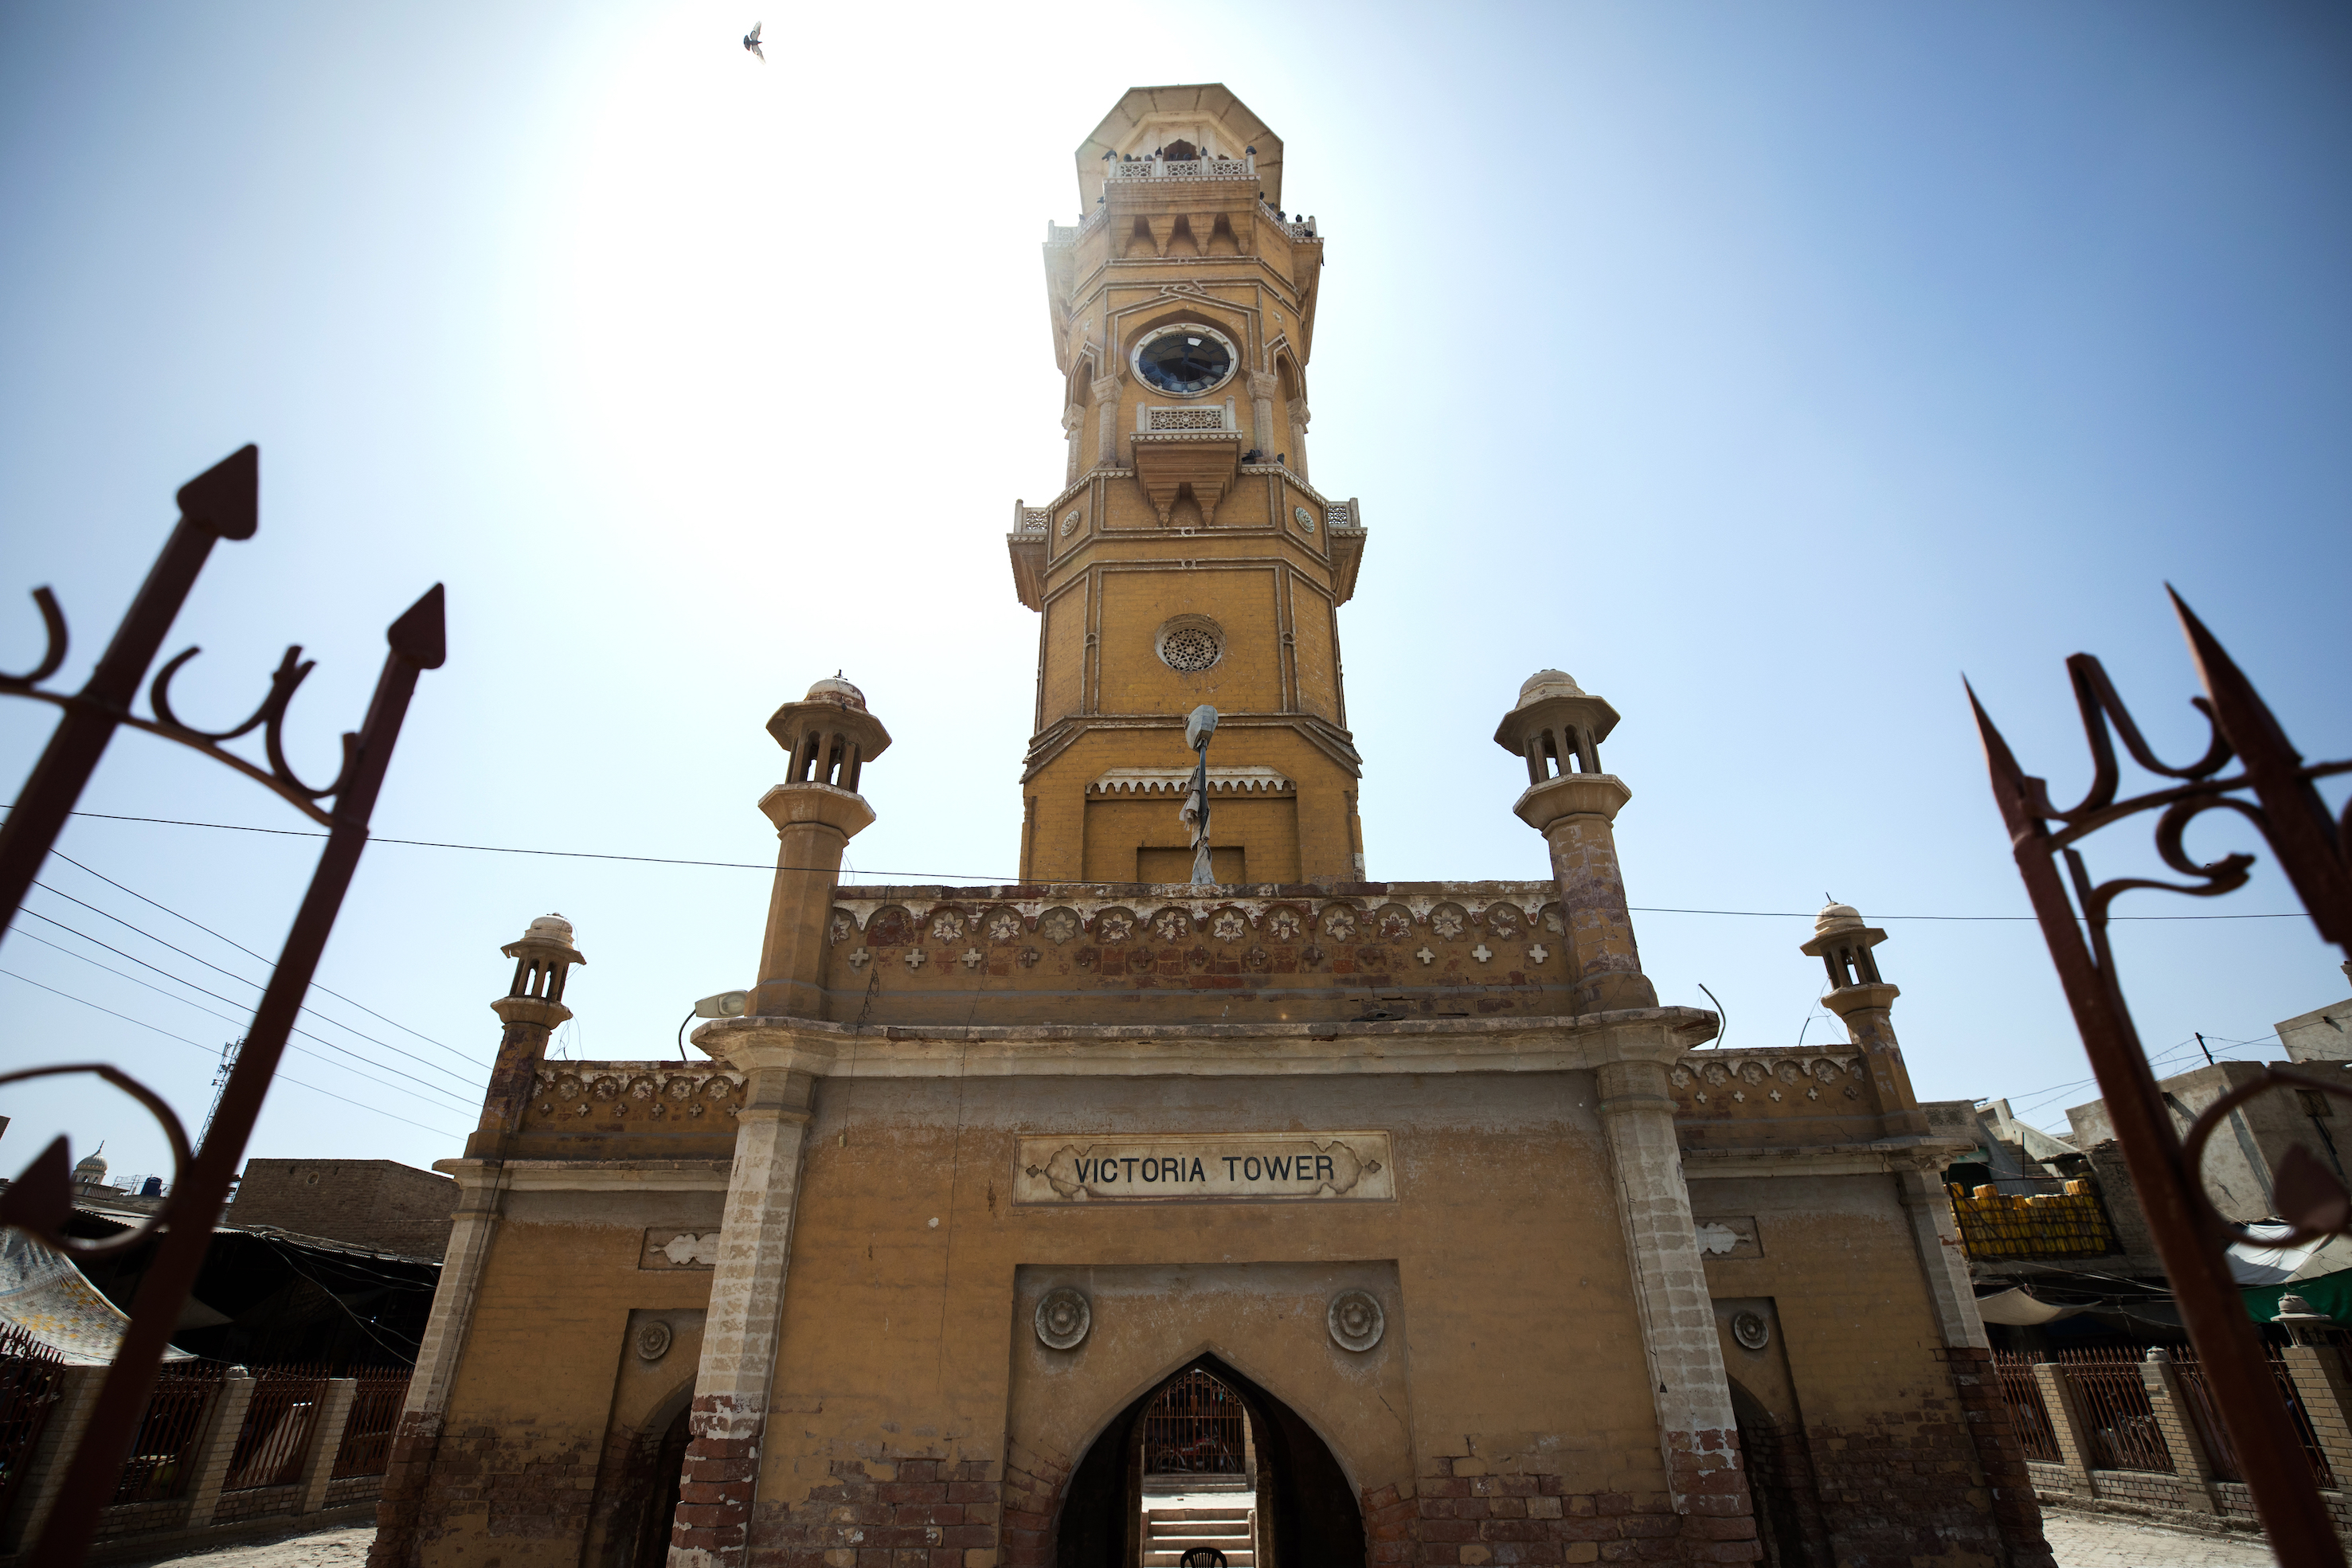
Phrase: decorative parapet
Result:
[1172,781]
[1031,519]
[1433,949]
[2069,1223]
[1749,1086]
[591,1096]
[1057,235]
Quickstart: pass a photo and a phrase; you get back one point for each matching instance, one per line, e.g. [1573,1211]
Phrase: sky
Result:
[1767,368]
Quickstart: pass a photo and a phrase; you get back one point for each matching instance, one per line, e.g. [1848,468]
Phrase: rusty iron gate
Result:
[222,503]
[1194,1427]
[2276,791]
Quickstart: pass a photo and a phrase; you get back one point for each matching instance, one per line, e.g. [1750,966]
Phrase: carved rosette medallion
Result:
[1751,1330]
[1356,1321]
[1064,1316]
[653,1340]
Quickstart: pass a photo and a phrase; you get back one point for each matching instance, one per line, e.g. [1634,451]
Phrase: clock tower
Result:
[1188,558]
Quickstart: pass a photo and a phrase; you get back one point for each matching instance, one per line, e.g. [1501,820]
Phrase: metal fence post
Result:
[2066,1411]
[326,1441]
[45,1467]
[222,1426]
[2192,1461]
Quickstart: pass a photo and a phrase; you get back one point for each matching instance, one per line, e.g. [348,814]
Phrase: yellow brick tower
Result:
[1187,558]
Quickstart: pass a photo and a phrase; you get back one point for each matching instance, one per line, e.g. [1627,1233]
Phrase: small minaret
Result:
[829,737]
[1866,1004]
[1557,728]
[530,1009]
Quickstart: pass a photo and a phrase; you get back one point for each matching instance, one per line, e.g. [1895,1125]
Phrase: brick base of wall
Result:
[256,1502]
[350,1491]
[2001,1457]
[887,1513]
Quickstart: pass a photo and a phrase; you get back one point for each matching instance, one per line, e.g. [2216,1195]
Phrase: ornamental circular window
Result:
[1186,360]
[1190,644]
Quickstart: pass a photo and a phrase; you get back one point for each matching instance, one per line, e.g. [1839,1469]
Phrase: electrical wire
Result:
[232,1002]
[251,953]
[241,1023]
[232,975]
[991,879]
[278,1078]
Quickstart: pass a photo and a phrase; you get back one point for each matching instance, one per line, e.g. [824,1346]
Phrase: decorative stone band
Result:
[1176,780]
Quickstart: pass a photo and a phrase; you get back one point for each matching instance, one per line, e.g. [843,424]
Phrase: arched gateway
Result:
[1209,1436]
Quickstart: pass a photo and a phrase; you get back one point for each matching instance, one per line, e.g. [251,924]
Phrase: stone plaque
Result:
[668,1247]
[1248,1165]
[1733,1237]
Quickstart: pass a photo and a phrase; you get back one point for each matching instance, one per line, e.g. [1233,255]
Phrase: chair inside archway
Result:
[1206,1430]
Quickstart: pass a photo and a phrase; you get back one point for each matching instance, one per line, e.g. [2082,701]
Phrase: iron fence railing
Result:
[2021,1392]
[276,1436]
[164,1451]
[2123,1430]
[1196,1427]
[31,1377]
[367,1448]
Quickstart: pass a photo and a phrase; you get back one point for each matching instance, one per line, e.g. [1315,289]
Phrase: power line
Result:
[280,1078]
[344,1067]
[251,953]
[997,880]
[240,979]
[232,1002]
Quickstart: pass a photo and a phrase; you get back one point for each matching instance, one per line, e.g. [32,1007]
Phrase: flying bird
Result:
[751,42]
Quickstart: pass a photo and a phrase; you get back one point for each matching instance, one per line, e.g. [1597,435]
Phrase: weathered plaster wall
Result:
[1857,1356]
[535,1396]
[1512,1341]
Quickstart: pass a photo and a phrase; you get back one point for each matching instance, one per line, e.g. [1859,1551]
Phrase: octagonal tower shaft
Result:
[1189,559]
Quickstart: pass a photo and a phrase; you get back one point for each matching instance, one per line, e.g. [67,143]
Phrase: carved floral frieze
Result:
[687,1094]
[1464,928]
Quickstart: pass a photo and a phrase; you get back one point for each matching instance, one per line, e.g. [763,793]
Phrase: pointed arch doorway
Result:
[1231,1447]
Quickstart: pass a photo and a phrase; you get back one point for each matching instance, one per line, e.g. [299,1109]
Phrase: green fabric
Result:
[2328,1293]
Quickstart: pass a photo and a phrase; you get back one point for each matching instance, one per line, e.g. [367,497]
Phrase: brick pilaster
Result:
[2327,1394]
[223,1423]
[326,1441]
[2074,1434]
[2192,1462]
[729,1417]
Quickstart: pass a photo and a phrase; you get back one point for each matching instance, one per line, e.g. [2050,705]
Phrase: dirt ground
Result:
[344,1548]
[2080,1541]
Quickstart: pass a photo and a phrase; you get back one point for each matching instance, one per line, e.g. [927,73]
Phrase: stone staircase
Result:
[1169,1532]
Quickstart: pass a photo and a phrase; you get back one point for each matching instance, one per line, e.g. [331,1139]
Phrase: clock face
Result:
[1185,361]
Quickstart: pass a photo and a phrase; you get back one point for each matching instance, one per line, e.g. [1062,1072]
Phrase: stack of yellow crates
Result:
[2054,1225]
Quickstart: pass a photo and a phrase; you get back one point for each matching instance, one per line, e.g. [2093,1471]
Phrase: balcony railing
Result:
[1185,169]
[1207,416]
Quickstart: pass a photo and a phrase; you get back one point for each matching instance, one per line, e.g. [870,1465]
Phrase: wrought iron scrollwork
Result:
[220,504]
[2310,844]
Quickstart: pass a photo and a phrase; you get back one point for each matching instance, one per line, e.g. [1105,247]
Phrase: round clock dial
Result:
[1185,361]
